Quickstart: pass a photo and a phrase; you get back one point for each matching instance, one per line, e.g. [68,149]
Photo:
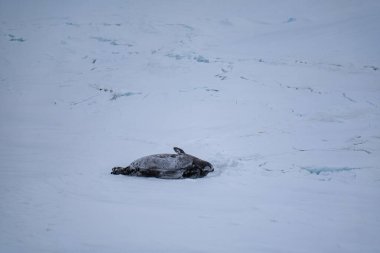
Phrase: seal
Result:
[168,166]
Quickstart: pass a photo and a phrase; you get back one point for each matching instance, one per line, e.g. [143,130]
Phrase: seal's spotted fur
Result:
[170,166]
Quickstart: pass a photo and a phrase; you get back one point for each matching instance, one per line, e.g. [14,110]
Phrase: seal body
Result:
[169,166]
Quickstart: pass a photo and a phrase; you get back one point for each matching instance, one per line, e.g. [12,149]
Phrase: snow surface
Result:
[282,97]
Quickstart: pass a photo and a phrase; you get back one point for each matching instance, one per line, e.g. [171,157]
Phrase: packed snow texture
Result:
[282,97]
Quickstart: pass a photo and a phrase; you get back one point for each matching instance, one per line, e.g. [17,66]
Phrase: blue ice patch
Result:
[176,56]
[290,20]
[200,58]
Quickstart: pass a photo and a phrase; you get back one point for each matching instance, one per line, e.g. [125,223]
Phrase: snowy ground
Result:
[283,97]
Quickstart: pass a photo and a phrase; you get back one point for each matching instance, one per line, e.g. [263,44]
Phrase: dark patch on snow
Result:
[359,150]
[348,98]
[108,24]
[372,104]
[226,22]
[336,65]
[114,94]
[201,88]
[212,90]
[14,38]
[83,100]
[327,170]
[300,88]
[291,20]
[102,89]
[176,56]
[296,113]
[301,62]
[374,68]
[200,58]
[72,24]
[187,27]
[101,39]
[105,90]
[262,164]
[221,77]
[125,94]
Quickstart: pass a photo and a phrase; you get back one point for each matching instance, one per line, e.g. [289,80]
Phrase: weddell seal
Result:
[169,166]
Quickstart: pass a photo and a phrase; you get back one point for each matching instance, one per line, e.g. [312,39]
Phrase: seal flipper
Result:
[117,170]
[179,151]
[123,171]
[192,173]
